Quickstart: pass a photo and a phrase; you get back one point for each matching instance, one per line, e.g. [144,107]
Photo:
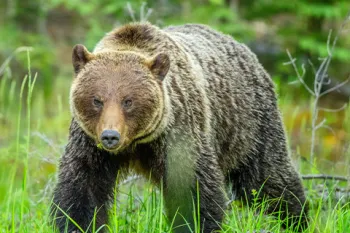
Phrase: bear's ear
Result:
[159,65]
[80,57]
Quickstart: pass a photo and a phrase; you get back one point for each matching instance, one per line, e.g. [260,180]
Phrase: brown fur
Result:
[203,110]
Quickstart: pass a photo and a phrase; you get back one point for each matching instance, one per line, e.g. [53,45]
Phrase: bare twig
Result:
[324,177]
[289,62]
[148,14]
[336,87]
[329,51]
[131,11]
[321,124]
[300,76]
[320,74]
[333,110]
[144,12]
[335,194]
[312,66]
[320,79]
[329,128]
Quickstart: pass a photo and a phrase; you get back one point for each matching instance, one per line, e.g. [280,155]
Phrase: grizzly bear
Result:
[185,105]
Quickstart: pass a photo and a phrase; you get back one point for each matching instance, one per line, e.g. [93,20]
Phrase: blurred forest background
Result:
[51,28]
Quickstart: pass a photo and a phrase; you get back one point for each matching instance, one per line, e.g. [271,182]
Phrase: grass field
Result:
[31,143]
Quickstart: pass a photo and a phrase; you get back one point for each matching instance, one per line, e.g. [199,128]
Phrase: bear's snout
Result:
[110,138]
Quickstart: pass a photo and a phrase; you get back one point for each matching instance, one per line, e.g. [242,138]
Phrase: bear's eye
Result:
[127,103]
[98,103]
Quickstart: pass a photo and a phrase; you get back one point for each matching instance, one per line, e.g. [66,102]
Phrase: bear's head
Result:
[117,97]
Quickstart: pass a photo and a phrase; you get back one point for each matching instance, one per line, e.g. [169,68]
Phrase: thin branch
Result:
[142,11]
[325,64]
[143,15]
[329,128]
[312,66]
[320,74]
[321,124]
[340,30]
[321,68]
[131,11]
[149,12]
[294,82]
[333,110]
[300,76]
[289,62]
[329,51]
[335,87]
[324,177]
[327,81]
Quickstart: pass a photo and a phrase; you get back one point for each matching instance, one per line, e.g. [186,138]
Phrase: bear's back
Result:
[238,88]
[214,50]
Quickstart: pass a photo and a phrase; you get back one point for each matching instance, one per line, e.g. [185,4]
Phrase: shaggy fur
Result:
[204,113]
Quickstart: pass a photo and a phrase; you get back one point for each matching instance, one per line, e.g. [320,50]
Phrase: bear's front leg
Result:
[86,180]
[211,193]
[190,175]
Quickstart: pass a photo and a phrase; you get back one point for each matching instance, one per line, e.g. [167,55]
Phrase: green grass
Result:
[31,144]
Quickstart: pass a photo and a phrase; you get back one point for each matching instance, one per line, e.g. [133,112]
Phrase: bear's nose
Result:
[110,138]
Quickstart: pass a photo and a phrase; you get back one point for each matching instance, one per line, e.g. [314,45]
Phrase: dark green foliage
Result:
[301,26]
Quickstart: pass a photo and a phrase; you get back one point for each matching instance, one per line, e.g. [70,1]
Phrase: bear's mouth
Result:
[114,150]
